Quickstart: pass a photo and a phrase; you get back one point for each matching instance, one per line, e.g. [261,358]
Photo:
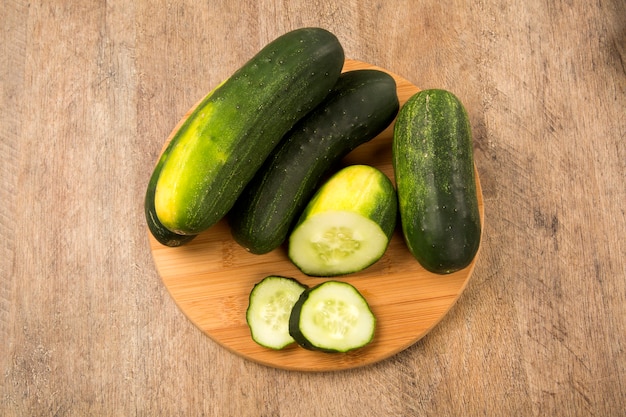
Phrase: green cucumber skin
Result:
[228,136]
[361,105]
[294,324]
[434,170]
[162,234]
[376,199]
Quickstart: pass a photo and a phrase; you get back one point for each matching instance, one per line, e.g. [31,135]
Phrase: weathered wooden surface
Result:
[90,90]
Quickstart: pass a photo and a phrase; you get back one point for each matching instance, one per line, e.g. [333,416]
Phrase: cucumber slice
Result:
[347,225]
[269,308]
[332,317]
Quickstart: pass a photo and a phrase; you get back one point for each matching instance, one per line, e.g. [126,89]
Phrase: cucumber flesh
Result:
[269,308]
[336,243]
[332,317]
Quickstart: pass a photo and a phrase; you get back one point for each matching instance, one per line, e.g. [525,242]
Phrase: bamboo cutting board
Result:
[210,279]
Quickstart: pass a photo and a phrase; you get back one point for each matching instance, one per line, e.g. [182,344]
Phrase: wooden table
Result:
[90,90]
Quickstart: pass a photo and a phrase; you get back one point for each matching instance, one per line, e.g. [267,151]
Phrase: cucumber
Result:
[227,137]
[269,308]
[347,225]
[360,106]
[332,317]
[434,170]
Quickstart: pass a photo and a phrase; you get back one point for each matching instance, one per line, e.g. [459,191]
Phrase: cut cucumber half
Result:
[336,243]
[269,308]
[347,225]
[332,317]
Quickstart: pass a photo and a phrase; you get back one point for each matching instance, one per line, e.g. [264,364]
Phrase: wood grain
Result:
[88,92]
[211,278]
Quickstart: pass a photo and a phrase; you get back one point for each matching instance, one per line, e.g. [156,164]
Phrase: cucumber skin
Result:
[374,197]
[434,170]
[161,233]
[294,324]
[361,105]
[218,149]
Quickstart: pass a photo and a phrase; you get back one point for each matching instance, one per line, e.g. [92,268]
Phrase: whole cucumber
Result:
[360,106]
[218,149]
[436,185]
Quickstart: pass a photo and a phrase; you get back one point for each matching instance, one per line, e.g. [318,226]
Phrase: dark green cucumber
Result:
[269,309]
[435,180]
[227,137]
[332,317]
[347,225]
[360,106]
[161,233]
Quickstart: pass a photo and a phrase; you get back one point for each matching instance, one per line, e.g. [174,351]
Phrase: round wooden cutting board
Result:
[210,279]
